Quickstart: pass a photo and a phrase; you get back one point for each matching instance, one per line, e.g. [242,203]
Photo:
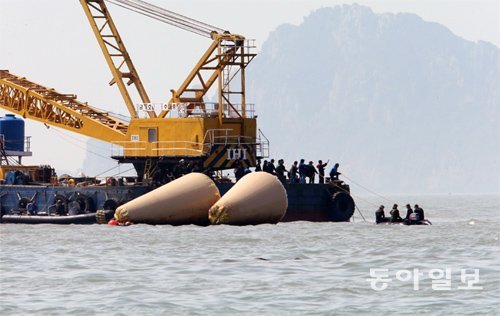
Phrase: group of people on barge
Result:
[298,172]
[413,216]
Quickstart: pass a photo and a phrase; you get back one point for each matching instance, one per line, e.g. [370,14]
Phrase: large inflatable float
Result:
[257,198]
[185,200]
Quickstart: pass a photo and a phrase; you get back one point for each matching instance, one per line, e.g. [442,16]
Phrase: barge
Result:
[209,137]
[306,202]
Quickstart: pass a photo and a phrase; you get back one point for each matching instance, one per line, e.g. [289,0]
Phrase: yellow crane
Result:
[214,135]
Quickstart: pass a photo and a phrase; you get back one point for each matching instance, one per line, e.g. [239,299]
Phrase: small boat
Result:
[99,217]
[387,221]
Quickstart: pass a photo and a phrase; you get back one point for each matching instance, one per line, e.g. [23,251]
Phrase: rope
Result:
[341,188]
[107,170]
[350,180]
[64,136]
[119,173]
[364,219]
[169,17]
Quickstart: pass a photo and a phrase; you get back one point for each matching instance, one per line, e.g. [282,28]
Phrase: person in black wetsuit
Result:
[420,212]
[408,211]
[395,217]
[380,215]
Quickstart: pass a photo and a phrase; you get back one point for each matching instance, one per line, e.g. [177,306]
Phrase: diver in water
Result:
[408,211]
[380,215]
[420,213]
[395,217]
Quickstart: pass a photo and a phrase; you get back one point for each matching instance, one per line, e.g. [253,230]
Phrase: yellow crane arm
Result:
[115,53]
[227,50]
[34,101]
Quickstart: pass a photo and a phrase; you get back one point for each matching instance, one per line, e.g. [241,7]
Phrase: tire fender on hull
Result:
[341,207]
[110,204]
[86,203]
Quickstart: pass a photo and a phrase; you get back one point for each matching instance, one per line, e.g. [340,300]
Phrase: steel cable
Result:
[169,17]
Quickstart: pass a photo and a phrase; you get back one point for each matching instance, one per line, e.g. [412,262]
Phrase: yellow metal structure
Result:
[116,54]
[214,134]
[34,101]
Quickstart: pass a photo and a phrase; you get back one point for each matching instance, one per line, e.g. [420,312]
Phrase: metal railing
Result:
[179,148]
[197,109]
[5,143]
[262,147]
[213,137]
[129,148]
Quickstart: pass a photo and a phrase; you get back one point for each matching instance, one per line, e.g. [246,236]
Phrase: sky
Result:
[51,42]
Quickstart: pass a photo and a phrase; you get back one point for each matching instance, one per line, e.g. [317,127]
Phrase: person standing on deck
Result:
[302,172]
[258,167]
[321,170]
[280,171]
[294,169]
[311,172]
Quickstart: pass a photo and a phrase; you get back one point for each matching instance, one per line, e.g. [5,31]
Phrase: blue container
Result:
[12,129]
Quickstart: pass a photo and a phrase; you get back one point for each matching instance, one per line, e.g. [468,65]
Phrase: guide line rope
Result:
[167,16]
[368,190]
[357,208]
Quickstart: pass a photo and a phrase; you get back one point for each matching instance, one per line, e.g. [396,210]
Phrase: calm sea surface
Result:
[289,268]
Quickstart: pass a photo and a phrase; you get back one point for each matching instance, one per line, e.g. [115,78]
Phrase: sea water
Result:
[451,267]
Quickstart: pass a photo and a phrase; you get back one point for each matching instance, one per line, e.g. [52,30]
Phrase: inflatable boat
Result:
[387,221]
[99,217]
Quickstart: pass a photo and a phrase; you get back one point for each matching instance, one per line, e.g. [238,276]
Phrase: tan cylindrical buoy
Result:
[257,198]
[185,200]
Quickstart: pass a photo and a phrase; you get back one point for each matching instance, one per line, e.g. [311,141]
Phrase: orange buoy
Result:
[113,222]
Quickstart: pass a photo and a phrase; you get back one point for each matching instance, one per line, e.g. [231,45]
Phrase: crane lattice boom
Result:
[215,136]
[34,101]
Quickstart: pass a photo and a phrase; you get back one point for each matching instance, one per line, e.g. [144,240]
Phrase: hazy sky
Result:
[51,42]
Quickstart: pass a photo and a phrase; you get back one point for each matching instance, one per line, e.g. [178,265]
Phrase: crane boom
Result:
[115,53]
[34,101]
[227,51]
[213,136]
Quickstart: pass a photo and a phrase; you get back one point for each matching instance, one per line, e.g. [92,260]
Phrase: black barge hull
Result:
[306,202]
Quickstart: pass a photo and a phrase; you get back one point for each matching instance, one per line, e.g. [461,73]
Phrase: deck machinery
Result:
[212,135]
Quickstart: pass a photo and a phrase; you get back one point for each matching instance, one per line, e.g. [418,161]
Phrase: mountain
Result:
[404,105]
